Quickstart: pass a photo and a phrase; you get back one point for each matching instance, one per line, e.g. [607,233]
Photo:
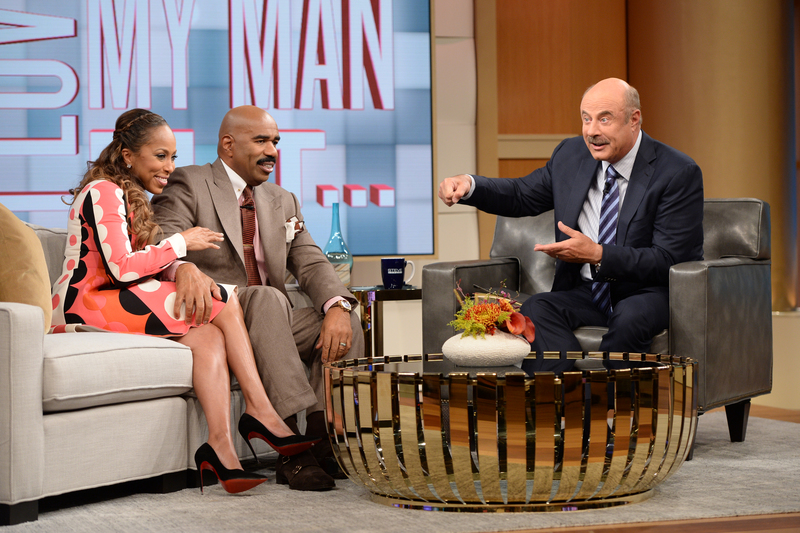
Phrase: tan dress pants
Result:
[283,342]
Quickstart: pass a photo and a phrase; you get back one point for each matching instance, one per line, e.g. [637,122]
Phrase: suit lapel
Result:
[637,186]
[227,207]
[577,196]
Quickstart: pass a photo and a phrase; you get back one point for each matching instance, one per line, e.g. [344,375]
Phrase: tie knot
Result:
[247,196]
[611,173]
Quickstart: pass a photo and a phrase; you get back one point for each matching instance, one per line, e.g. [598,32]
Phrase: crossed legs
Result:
[217,347]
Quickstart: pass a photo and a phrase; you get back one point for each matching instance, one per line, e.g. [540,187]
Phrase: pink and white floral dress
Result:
[105,283]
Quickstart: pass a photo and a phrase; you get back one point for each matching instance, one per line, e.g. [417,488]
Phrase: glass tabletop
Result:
[438,364]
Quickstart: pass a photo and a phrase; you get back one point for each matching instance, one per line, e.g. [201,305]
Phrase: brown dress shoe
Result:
[302,472]
[323,453]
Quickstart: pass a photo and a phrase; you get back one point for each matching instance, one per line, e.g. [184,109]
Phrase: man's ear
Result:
[226,143]
[636,117]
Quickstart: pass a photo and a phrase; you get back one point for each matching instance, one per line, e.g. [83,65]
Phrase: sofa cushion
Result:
[53,240]
[88,369]
[23,271]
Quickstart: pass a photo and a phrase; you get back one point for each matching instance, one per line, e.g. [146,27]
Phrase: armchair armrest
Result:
[721,315]
[21,422]
[439,303]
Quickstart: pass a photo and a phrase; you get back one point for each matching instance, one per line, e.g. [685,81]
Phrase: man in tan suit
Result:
[285,340]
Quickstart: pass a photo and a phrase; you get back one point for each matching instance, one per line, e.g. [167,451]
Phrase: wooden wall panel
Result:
[516,168]
[723,101]
[548,53]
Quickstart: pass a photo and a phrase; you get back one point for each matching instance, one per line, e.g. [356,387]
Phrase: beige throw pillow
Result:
[23,269]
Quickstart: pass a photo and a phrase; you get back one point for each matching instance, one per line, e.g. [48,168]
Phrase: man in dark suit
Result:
[618,175]
[221,196]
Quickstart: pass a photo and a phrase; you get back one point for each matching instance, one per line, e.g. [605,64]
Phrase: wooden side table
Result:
[371,300]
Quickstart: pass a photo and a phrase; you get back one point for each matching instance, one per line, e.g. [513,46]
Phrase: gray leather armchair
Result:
[720,308]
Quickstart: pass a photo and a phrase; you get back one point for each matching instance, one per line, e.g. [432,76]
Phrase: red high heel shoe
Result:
[232,481]
[250,428]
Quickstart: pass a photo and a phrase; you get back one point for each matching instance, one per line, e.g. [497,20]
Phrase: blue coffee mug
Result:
[393,272]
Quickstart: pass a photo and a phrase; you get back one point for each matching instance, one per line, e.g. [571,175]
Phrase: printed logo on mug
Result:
[393,272]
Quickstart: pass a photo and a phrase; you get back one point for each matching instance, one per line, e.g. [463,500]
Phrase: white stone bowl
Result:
[500,349]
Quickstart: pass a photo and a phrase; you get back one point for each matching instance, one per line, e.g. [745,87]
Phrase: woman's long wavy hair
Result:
[132,131]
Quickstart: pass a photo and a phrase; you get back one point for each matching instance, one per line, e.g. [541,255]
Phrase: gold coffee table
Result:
[420,434]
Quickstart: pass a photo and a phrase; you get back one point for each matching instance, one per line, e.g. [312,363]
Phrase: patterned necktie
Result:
[607,234]
[248,210]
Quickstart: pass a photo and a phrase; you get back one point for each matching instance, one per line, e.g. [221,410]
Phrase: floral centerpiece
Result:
[494,332]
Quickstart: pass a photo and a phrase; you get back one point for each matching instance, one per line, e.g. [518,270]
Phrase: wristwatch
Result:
[344,304]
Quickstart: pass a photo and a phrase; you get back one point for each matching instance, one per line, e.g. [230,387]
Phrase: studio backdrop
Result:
[348,82]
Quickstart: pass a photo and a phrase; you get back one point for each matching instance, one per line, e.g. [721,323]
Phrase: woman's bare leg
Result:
[212,384]
[243,365]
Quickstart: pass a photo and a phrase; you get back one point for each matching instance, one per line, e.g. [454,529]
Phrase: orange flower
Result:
[484,314]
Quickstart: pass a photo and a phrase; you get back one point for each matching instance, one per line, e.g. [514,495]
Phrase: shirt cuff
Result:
[178,244]
[168,274]
[471,188]
[330,303]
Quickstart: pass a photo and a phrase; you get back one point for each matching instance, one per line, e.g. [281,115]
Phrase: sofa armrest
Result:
[439,303]
[721,315]
[21,419]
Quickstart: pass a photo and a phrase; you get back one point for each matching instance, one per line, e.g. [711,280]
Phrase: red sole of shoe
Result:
[232,486]
[291,449]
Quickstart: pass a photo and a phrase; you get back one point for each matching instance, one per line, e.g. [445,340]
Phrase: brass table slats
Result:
[486,416]
[642,430]
[338,438]
[389,431]
[461,435]
[571,435]
[351,429]
[547,426]
[413,447]
[440,465]
[663,417]
[595,458]
[676,423]
[513,410]
[368,434]
[621,432]
[504,441]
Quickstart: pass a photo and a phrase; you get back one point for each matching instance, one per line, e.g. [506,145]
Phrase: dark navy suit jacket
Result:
[660,223]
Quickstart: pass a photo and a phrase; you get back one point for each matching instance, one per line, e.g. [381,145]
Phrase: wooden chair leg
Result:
[19,513]
[738,414]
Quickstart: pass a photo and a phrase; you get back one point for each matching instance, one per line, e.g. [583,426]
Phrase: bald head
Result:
[612,119]
[622,91]
[248,140]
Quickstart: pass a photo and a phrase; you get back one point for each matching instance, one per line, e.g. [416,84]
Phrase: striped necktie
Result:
[248,210]
[607,234]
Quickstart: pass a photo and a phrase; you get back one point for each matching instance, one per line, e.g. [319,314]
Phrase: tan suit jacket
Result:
[283,339]
[204,196]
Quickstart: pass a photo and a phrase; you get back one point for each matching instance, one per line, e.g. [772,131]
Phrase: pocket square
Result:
[293,227]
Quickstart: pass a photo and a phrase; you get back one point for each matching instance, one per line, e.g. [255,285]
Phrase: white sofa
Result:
[89,409]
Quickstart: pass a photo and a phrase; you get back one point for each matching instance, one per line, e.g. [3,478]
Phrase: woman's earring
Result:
[129,166]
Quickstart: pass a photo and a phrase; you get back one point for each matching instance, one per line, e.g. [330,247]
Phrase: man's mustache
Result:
[597,140]
[265,160]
